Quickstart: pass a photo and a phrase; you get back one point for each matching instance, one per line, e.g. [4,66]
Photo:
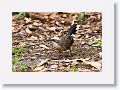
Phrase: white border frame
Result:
[104,77]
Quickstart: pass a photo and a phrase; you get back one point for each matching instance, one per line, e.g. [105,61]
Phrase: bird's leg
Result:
[59,59]
[70,54]
[59,54]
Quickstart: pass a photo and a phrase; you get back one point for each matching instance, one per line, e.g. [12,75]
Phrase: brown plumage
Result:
[66,41]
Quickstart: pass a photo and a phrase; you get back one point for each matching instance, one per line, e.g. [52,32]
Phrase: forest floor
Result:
[31,52]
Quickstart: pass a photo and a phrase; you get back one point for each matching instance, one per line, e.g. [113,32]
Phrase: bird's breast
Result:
[57,46]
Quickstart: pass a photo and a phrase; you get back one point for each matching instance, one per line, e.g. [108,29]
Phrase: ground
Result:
[32,52]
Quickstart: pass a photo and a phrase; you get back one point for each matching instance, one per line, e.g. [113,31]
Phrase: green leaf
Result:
[74,68]
[97,42]
[22,66]
[22,15]
[14,68]
[16,60]
[80,16]
[18,50]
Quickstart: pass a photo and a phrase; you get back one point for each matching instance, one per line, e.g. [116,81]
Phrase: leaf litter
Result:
[32,33]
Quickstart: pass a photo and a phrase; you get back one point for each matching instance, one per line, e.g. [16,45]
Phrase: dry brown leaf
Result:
[36,24]
[86,59]
[100,53]
[42,62]
[47,13]
[38,68]
[54,67]
[32,38]
[96,64]
[14,30]
[28,20]
[28,31]
[43,46]
[52,28]
[52,16]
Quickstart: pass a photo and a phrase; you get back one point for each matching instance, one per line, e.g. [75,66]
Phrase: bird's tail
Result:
[72,29]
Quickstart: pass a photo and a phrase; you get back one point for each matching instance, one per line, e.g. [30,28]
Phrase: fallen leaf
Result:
[52,16]
[43,46]
[96,64]
[38,68]
[42,62]
[28,20]
[28,31]
[32,38]
[100,53]
[14,30]
[54,67]
[36,24]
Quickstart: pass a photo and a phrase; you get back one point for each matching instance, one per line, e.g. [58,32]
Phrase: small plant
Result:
[74,69]
[77,51]
[14,68]
[22,66]
[16,60]
[18,50]
[16,57]
[80,16]
[97,42]
[22,15]
[15,53]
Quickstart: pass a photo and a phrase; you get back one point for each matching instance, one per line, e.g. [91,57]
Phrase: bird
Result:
[63,43]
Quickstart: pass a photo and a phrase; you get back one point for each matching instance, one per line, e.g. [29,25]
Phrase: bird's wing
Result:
[56,39]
